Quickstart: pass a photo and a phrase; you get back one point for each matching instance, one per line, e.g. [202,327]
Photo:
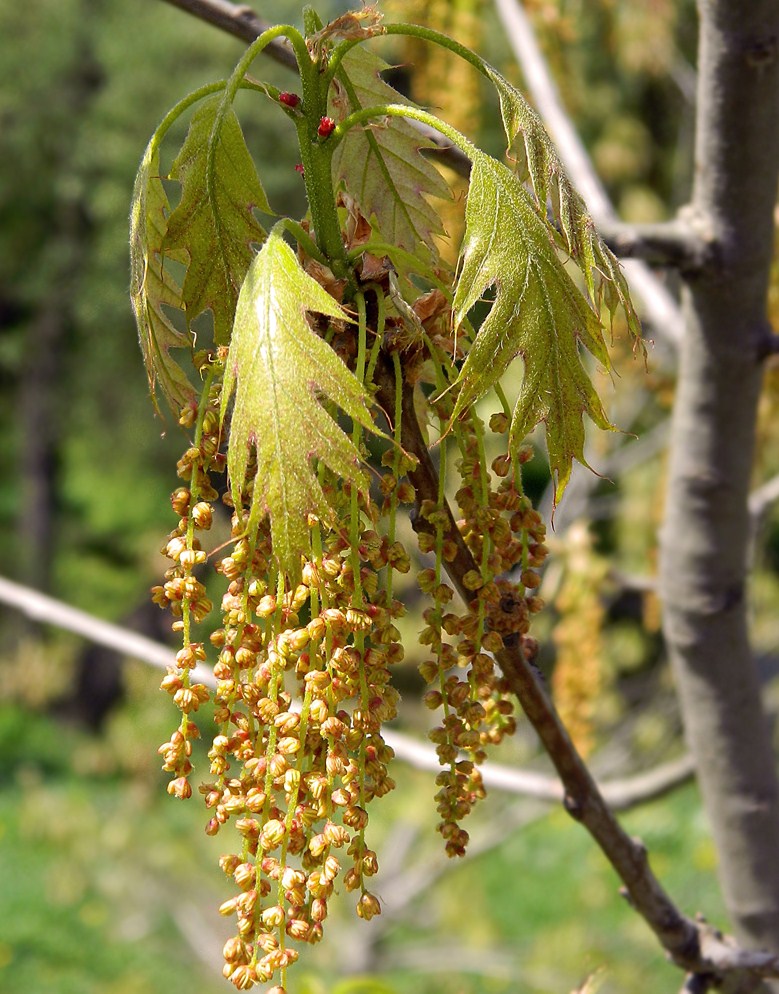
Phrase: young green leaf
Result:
[538,161]
[214,221]
[278,366]
[383,167]
[538,314]
[152,287]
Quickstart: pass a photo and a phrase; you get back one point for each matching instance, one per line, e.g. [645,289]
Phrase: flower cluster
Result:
[502,533]
[302,692]
[302,672]
[183,593]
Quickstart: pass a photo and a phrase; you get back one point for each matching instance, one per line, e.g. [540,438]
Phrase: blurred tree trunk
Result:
[705,536]
[42,392]
[41,409]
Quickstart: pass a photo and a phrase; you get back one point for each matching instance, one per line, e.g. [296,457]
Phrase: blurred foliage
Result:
[626,74]
[107,884]
[113,471]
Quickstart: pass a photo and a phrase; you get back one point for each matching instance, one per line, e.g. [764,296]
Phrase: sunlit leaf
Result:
[152,288]
[279,368]
[214,221]
[538,314]
[537,160]
[383,167]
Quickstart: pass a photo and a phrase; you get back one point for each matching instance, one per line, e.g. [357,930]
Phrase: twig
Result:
[239,21]
[405,886]
[404,880]
[690,944]
[696,983]
[495,963]
[624,793]
[673,243]
[243,23]
[762,498]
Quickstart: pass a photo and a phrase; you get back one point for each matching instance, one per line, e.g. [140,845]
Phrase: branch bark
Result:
[705,538]
[690,944]
[675,244]
[239,21]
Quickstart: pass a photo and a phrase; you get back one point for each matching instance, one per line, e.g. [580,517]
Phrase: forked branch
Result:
[693,945]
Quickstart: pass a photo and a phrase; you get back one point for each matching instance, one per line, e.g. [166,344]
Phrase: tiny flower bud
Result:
[289,745]
[318,909]
[530,579]
[202,515]
[228,907]
[368,906]
[234,950]
[179,500]
[298,929]
[273,917]
[245,875]
[243,977]
[326,127]
[272,834]
[472,580]
[289,99]
[180,787]
[499,423]
[292,878]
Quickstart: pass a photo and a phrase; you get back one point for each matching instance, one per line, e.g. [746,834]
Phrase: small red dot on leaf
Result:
[299,168]
[289,99]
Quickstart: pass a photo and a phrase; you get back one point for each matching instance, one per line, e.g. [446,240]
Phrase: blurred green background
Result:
[106,883]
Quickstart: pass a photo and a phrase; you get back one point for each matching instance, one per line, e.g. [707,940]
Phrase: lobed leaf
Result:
[383,168]
[152,287]
[537,160]
[213,222]
[538,314]
[278,367]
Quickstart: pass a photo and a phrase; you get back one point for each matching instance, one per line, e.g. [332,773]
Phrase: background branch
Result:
[705,539]
[623,793]
[238,20]
[673,243]
[660,309]
[680,936]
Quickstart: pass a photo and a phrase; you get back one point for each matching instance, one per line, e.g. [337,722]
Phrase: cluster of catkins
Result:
[302,681]
[503,533]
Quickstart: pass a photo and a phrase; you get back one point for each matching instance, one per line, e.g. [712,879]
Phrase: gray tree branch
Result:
[623,793]
[238,20]
[674,243]
[706,534]
[688,943]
